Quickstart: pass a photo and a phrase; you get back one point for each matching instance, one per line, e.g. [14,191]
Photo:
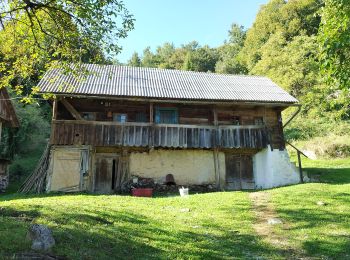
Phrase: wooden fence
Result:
[97,133]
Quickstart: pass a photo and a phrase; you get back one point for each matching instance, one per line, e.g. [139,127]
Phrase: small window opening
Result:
[120,118]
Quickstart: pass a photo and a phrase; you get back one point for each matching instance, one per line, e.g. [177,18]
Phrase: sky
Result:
[182,21]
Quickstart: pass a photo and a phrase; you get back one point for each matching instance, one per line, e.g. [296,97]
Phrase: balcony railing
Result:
[98,133]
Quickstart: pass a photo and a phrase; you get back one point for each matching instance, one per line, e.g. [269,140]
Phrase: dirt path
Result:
[264,211]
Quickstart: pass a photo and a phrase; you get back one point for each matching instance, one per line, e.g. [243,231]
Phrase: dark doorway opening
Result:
[113,174]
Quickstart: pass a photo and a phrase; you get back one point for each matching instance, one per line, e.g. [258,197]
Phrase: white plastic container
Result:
[183,192]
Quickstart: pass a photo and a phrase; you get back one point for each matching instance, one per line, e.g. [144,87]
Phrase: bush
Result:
[304,128]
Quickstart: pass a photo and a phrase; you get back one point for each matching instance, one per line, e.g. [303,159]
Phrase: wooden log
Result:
[71,109]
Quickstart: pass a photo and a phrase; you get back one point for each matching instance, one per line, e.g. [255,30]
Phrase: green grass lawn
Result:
[203,226]
[321,231]
[217,226]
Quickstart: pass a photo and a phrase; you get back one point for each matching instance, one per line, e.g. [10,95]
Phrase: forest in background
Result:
[302,45]
[288,43]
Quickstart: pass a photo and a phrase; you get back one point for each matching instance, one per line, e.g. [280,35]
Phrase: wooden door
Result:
[239,172]
[105,173]
[66,170]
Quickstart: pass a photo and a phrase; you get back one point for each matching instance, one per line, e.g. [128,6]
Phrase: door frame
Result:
[240,176]
[113,156]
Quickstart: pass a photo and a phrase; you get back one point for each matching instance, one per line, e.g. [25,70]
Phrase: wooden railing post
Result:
[300,168]
[152,127]
[216,149]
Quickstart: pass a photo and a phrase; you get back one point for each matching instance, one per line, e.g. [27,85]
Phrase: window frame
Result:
[158,110]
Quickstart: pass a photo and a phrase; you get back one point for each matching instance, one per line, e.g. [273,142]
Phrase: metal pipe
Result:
[292,117]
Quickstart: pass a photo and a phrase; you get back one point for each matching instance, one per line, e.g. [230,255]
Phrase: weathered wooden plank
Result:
[158,136]
[71,109]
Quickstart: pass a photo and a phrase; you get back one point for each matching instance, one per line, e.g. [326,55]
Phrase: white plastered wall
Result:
[273,169]
[187,166]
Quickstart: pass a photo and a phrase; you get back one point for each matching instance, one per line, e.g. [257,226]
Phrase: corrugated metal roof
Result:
[123,81]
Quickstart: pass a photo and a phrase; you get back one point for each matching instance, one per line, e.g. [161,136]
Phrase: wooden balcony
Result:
[98,133]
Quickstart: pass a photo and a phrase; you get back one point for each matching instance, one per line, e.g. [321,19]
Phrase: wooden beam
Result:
[71,109]
[54,109]
[216,151]
[300,168]
[151,116]
[215,113]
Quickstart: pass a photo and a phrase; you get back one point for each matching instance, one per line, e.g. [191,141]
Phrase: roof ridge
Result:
[185,71]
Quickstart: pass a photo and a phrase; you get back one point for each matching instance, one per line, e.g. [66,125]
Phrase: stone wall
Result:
[273,169]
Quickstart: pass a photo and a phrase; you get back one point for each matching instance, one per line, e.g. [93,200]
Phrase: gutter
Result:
[292,117]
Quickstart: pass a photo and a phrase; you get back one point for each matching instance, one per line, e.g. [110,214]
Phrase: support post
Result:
[54,109]
[300,168]
[54,117]
[216,150]
[152,130]
[71,109]
[151,116]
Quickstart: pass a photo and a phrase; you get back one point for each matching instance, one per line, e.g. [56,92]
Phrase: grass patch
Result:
[332,146]
[217,226]
[203,226]
[320,231]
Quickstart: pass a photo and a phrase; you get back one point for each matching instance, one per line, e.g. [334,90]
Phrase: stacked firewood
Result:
[36,182]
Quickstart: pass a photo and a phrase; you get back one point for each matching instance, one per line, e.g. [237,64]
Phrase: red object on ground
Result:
[142,192]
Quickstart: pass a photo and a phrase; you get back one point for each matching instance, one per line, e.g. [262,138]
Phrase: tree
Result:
[291,64]
[96,21]
[57,34]
[149,59]
[228,53]
[135,60]
[237,35]
[291,18]
[201,59]
[334,40]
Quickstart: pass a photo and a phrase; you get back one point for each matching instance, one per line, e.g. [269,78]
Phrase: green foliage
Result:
[287,18]
[334,39]
[188,57]
[228,53]
[34,128]
[135,60]
[37,35]
[28,141]
[201,59]
[291,64]
[306,127]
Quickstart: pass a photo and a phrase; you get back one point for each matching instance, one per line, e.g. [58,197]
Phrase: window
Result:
[166,116]
[89,116]
[120,118]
